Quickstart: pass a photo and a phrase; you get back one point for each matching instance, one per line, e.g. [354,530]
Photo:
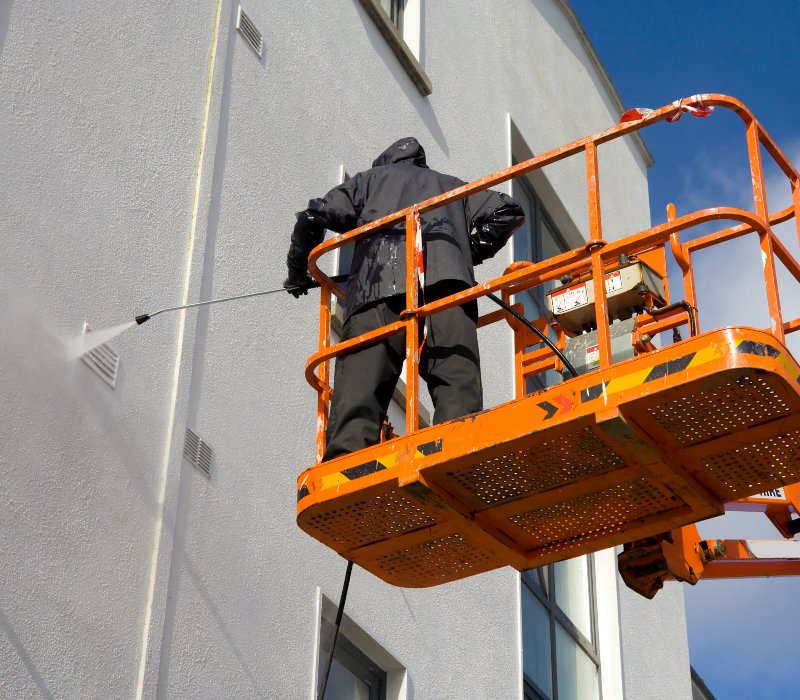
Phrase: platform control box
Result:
[572,304]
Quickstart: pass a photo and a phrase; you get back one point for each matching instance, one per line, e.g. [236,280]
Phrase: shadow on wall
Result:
[180,563]
[214,212]
[422,104]
[7,631]
[5,21]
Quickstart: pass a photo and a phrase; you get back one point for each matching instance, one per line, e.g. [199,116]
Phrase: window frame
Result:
[353,660]
[541,582]
[556,616]
[539,215]
[394,38]
[396,11]
[344,254]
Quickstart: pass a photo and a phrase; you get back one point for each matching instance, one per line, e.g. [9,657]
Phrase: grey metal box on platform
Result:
[573,304]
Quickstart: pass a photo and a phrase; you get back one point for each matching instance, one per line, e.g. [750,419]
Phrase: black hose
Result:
[560,355]
[683,304]
[337,624]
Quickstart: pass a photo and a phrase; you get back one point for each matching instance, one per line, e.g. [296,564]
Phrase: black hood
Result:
[407,148]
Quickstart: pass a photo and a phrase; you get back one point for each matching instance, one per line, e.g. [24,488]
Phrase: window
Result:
[537,239]
[353,676]
[394,9]
[400,23]
[344,254]
[559,631]
[345,259]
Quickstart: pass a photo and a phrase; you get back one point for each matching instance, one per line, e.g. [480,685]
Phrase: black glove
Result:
[480,248]
[298,281]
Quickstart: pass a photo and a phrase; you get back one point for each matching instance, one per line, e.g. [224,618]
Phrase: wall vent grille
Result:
[198,453]
[103,361]
[248,30]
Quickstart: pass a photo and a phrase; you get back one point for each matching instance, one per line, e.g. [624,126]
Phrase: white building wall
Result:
[654,649]
[99,116]
[134,178]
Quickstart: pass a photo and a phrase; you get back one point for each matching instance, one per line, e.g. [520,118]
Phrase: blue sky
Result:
[742,633]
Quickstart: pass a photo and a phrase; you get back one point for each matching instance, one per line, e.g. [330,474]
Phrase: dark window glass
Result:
[394,9]
[345,259]
[353,676]
[538,239]
[559,646]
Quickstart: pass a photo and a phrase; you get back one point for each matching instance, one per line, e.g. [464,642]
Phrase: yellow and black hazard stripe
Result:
[751,347]
[560,404]
[688,361]
[376,465]
[648,374]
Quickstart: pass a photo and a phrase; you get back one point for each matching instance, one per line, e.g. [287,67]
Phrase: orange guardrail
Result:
[594,258]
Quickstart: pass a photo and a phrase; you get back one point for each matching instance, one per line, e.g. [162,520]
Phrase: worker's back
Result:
[398,179]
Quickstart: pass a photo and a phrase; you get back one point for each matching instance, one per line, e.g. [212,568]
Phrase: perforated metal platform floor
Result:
[652,444]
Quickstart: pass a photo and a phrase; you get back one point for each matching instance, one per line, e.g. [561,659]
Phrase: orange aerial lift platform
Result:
[632,448]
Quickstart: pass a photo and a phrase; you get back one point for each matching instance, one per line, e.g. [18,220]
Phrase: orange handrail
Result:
[594,257]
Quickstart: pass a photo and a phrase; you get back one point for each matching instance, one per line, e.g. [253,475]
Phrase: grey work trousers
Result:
[364,380]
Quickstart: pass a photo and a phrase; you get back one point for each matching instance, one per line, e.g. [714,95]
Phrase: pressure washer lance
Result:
[342,278]
[146,317]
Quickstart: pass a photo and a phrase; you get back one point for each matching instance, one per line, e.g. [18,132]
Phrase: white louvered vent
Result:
[103,361]
[198,453]
[248,30]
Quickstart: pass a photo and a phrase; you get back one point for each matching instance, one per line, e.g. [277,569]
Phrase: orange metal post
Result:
[684,260]
[323,397]
[594,246]
[520,334]
[412,326]
[792,492]
[765,238]
[593,187]
[519,350]
[796,205]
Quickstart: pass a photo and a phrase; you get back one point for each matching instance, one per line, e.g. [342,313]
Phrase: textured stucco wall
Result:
[100,120]
[655,654]
[131,571]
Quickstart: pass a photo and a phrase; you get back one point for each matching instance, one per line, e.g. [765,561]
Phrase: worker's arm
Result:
[337,211]
[493,217]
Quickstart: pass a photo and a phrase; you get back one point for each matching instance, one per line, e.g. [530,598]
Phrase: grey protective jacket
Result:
[455,236]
